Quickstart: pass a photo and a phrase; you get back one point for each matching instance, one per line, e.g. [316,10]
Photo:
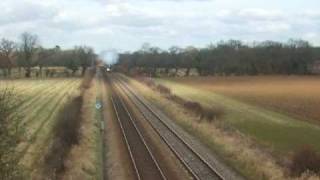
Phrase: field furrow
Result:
[44,109]
[40,96]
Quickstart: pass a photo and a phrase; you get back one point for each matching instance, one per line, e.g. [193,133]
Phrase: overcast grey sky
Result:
[126,24]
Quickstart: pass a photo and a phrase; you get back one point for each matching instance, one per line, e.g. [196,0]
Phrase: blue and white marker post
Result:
[98,106]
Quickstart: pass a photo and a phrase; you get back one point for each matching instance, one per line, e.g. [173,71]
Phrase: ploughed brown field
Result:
[297,96]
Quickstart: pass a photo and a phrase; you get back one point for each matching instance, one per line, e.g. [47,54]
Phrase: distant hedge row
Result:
[231,57]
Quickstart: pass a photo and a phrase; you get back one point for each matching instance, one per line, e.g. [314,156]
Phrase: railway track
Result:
[144,164]
[196,164]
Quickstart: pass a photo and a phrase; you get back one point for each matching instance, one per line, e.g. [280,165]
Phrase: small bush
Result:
[193,106]
[208,114]
[149,82]
[211,114]
[163,90]
[177,99]
[305,159]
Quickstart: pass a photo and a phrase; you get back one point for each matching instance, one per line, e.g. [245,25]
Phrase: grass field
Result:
[294,95]
[268,109]
[39,104]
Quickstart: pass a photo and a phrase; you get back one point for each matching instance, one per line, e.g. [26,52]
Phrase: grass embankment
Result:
[273,130]
[83,158]
[279,131]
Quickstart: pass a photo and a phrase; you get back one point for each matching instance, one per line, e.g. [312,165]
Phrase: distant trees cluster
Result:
[28,53]
[231,57]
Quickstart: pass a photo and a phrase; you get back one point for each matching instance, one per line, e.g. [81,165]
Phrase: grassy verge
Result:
[84,161]
[100,150]
[237,149]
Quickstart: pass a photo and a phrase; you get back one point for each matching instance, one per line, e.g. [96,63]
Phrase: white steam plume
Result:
[109,56]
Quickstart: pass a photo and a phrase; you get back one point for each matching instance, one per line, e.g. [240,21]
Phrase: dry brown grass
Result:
[303,160]
[295,95]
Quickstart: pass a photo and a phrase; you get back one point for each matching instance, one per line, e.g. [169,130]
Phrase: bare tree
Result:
[175,52]
[46,57]
[86,57]
[27,51]
[7,49]
[190,54]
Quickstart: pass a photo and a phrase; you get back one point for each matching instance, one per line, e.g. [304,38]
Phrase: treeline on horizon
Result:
[28,53]
[231,57]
